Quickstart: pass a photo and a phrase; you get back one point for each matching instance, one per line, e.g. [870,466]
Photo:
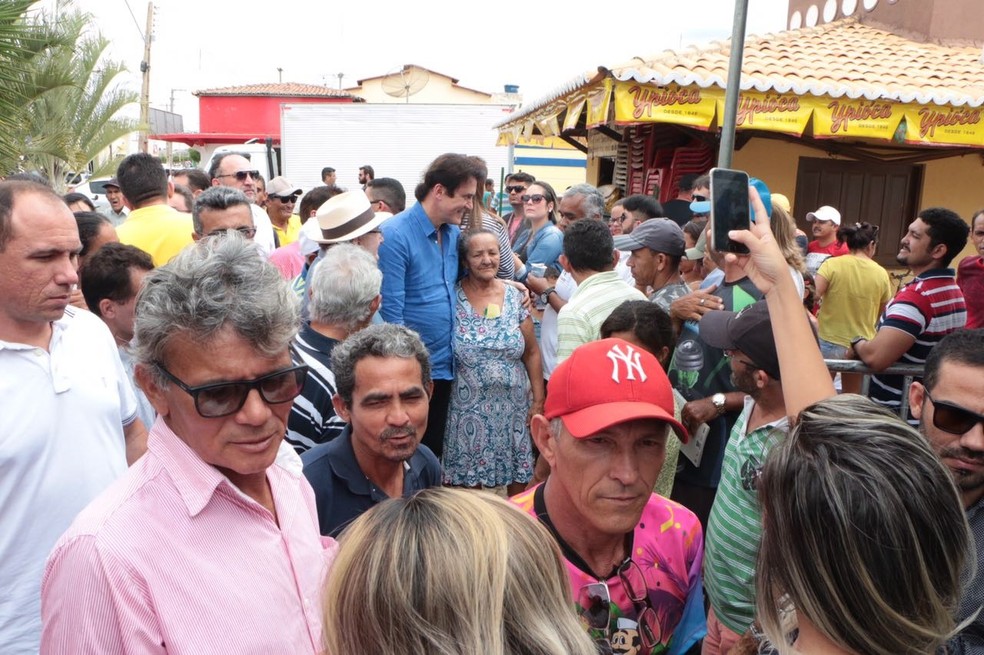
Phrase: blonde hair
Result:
[863,532]
[450,572]
[784,231]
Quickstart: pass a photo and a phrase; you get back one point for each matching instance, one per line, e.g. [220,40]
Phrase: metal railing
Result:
[907,371]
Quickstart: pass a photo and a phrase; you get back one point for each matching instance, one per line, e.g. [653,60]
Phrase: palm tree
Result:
[22,42]
[69,126]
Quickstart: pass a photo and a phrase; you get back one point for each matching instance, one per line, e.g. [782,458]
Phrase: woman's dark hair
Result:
[857,236]
[646,320]
[694,229]
[89,225]
[69,198]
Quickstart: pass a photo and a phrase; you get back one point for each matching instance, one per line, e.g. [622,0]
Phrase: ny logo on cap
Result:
[631,361]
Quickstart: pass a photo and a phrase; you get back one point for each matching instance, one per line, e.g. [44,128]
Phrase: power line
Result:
[136,23]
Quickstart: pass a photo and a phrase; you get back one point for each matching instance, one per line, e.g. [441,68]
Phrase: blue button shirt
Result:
[418,282]
[342,491]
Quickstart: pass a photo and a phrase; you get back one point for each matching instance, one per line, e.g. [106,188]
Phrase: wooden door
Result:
[886,195]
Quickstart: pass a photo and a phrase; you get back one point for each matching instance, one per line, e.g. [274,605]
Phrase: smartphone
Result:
[729,208]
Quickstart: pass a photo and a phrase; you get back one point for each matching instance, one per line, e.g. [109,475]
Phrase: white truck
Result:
[397,140]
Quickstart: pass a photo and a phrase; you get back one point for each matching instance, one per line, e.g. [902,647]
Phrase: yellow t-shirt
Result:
[158,230]
[857,288]
[289,234]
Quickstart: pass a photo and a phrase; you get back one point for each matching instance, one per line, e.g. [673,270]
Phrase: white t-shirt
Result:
[264,230]
[62,413]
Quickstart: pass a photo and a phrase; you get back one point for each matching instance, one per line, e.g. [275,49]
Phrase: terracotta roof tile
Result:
[837,59]
[841,58]
[277,89]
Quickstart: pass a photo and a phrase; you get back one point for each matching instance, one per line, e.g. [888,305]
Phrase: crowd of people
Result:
[241,417]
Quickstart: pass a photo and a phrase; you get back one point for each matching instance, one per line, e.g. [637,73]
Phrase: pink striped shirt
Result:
[173,558]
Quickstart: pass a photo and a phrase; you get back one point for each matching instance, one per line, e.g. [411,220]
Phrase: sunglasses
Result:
[218,399]
[242,175]
[283,199]
[536,198]
[248,232]
[519,188]
[700,198]
[595,602]
[730,354]
[953,419]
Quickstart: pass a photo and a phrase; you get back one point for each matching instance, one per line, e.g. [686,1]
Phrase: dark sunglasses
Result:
[283,199]
[536,198]
[241,175]
[519,188]
[953,419]
[699,198]
[595,601]
[219,399]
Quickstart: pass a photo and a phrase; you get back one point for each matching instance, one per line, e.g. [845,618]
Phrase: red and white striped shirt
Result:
[173,558]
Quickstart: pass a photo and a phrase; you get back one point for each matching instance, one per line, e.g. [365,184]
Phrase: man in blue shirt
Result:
[419,261]
[383,378]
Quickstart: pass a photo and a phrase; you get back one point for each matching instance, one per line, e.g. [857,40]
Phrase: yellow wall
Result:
[956,183]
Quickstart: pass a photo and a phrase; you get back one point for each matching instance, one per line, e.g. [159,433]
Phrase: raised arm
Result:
[805,379]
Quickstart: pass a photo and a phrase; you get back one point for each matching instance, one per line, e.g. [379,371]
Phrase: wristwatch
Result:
[546,293]
[718,400]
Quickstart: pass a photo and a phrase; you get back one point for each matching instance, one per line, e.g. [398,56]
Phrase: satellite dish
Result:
[405,81]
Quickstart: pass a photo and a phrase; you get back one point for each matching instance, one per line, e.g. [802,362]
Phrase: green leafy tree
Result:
[24,42]
[70,126]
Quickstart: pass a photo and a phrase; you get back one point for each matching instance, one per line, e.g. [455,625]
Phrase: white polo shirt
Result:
[62,413]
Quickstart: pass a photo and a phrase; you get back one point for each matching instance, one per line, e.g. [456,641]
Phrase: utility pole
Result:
[145,88]
[170,162]
[726,150]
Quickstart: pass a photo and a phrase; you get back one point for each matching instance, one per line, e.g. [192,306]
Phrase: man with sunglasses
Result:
[949,404]
[235,170]
[281,199]
[633,557]
[734,525]
[678,209]
[210,542]
[516,186]
[219,210]
[153,226]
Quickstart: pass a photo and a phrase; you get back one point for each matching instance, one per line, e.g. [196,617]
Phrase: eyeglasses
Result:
[241,175]
[219,399]
[283,199]
[519,188]
[248,232]
[700,198]
[595,602]
[953,419]
[536,198]
[730,354]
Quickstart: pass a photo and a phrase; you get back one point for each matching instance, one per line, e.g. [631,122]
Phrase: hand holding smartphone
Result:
[729,208]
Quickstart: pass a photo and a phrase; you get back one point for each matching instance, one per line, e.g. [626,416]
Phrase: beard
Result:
[744,381]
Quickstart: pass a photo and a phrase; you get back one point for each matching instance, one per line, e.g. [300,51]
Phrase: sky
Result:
[539,45]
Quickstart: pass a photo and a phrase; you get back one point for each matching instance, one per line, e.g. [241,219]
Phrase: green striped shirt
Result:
[579,321]
[735,524]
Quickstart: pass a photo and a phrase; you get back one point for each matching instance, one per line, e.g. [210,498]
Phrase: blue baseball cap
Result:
[764,194]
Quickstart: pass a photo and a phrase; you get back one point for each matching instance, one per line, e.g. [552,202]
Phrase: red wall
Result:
[248,114]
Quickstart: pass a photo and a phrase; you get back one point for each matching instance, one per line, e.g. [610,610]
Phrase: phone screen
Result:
[729,208]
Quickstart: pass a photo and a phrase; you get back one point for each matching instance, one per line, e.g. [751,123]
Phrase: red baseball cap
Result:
[607,382]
